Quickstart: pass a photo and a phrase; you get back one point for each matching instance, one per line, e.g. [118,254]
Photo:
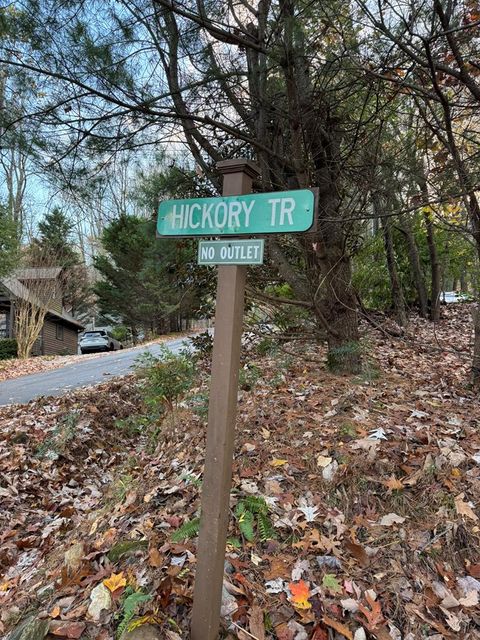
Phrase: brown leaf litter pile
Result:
[366,522]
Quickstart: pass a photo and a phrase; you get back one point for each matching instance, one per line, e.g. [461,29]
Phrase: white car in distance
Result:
[101,340]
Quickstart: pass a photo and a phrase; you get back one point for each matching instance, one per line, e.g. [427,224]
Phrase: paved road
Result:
[79,374]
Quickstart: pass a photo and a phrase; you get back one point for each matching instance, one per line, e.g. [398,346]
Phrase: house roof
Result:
[18,290]
[38,273]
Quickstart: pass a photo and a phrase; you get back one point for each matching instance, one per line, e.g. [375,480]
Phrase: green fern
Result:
[129,609]
[250,511]
[255,504]
[234,542]
[245,522]
[265,527]
[188,530]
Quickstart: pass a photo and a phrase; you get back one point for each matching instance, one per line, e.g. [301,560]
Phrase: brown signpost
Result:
[237,180]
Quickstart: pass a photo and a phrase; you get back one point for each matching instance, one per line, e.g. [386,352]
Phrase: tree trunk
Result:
[476,346]
[337,310]
[417,272]
[395,282]
[435,268]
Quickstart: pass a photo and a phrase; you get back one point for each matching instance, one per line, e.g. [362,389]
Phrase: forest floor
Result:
[355,501]
[15,368]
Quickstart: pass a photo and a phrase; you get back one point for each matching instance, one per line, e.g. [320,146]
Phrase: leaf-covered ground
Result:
[364,521]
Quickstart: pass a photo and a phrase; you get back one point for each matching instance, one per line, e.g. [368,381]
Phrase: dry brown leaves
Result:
[372,485]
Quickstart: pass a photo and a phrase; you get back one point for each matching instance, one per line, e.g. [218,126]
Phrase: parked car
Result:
[100,340]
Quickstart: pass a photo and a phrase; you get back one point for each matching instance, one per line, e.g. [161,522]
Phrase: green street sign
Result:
[258,213]
[230,251]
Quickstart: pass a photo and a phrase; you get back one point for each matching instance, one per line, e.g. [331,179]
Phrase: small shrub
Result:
[198,403]
[8,348]
[249,377]
[346,357]
[133,425]
[266,346]
[121,333]
[203,345]
[167,377]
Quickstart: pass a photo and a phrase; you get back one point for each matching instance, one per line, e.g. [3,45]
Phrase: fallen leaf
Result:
[300,594]
[349,604]
[155,558]
[256,624]
[357,552]
[277,462]
[301,566]
[116,581]
[470,600]
[283,632]
[66,629]
[474,570]
[464,509]
[275,586]
[451,619]
[330,582]
[393,484]
[55,612]
[390,519]
[323,461]
[374,616]
[338,626]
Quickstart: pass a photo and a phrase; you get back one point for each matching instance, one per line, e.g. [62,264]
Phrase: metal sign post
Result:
[217,477]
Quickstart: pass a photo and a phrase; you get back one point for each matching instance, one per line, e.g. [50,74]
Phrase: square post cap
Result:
[239,165]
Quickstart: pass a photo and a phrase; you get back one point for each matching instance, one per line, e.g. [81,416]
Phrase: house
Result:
[59,333]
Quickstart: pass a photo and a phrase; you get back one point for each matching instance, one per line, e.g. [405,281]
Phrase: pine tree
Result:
[8,242]
[56,237]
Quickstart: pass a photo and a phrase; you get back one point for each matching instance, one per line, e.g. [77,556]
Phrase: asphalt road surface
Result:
[79,374]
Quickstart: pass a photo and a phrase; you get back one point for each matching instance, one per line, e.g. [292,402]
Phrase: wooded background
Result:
[109,107]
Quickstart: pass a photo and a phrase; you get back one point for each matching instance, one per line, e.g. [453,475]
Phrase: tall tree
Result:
[9,242]
[430,51]
[269,82]
[55,240]
[148,285]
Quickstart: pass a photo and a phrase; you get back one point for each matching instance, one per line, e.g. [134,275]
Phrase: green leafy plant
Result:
[266,346]
[133,425]
[199,404]
[252,513]
[122,333]
[203,345]
[167,377]
[337,356]
[188,530]
[122,486]
[128,608]
[249,376]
